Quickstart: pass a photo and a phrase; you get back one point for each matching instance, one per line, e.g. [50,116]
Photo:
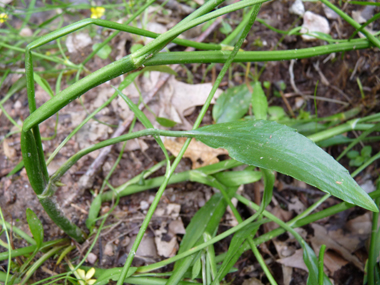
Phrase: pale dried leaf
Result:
[178,99]
[295,261]
[279,213]
[322,236]
[9,151]
[199,153]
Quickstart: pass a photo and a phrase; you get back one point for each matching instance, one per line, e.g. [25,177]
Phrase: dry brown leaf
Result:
[336,242]
[333,262]
[252,281]
[284,250]
[279,213]
[9,151]
[295,260]
[199,153]
[178,99]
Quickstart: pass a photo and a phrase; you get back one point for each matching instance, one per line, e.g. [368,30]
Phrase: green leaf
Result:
[232,104]
[196,269]
[165,122]
[94,211]
[259,102]
[276,113]
[366,151]
[111,274]
[104,52]
[136,47]
[43,84]
[273,146]
[16,169]
[237,178]
[352,154]
[226,28]
[35,227]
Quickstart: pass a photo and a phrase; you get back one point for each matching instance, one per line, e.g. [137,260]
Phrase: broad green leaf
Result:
[273,146]
[104,52]
[353,154]
[165,122]
[232,104]
[237,178]
[35,227]
[259,102]
[366,151]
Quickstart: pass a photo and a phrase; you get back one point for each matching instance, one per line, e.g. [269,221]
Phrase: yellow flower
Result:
[85,278]
[97,12]
[3,17]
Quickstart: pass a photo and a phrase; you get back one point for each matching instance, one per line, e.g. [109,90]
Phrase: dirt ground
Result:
[181,201]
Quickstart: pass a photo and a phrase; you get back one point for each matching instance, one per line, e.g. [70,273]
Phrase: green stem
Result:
[372,254]
[253,56]
[320,264]
[106,73]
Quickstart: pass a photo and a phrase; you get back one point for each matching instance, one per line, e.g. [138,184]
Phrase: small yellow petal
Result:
[90,273]
[97,12]
[91,281]
[81,273]
[3,17]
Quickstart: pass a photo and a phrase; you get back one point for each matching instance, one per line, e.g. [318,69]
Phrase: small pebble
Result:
[144,205]
[91,258]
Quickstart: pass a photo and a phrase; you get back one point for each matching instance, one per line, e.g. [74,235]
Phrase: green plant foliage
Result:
[273,146]
[237,178]
[226,28]
[104,52]
[105,276]
[232,104]
[357,159]
[35,227]
[165,122]
[259,102]
[276,113]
